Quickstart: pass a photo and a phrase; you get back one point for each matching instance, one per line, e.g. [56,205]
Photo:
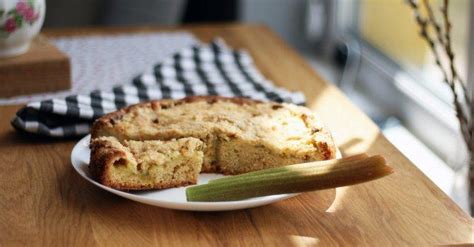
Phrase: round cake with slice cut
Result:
[166,143]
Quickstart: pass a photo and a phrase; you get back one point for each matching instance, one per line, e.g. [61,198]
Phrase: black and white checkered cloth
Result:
[205,69]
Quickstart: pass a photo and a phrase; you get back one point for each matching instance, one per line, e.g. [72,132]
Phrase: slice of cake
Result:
[139,165]
[239,135]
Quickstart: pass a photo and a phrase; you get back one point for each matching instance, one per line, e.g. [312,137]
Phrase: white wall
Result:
[285,17]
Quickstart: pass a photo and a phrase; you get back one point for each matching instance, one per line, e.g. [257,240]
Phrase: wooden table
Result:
[43,201]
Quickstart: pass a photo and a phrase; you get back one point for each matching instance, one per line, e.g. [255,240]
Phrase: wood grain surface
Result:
[44,202]
[43,68]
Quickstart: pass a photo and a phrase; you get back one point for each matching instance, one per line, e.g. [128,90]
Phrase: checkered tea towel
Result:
[204,69]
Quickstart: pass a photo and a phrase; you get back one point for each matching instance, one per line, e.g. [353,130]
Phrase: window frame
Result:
[397,91]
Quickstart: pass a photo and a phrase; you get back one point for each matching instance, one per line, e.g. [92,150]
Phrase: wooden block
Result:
[44,68]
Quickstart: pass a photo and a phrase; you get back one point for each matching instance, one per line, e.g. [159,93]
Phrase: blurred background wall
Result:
[285,17]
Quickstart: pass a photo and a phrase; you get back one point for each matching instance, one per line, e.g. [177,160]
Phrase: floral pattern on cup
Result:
[24,12]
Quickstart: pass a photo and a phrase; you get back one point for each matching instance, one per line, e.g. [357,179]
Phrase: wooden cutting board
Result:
[43,68]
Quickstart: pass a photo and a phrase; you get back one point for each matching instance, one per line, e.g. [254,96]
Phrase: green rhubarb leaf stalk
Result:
[285,168]
[292,179]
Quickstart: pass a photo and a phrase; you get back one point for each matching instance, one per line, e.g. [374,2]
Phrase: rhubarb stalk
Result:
[292,179]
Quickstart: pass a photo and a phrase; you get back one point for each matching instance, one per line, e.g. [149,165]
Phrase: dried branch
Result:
[432,20]
[443,35]
[444,41]
[423,23]
[449,51]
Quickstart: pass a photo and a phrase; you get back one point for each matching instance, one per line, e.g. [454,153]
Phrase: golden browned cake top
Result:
[279,126]
[146,151]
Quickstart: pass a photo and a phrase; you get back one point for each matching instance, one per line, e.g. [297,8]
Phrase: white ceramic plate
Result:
[174,198]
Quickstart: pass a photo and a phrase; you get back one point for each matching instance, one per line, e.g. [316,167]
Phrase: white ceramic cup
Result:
[20,22]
